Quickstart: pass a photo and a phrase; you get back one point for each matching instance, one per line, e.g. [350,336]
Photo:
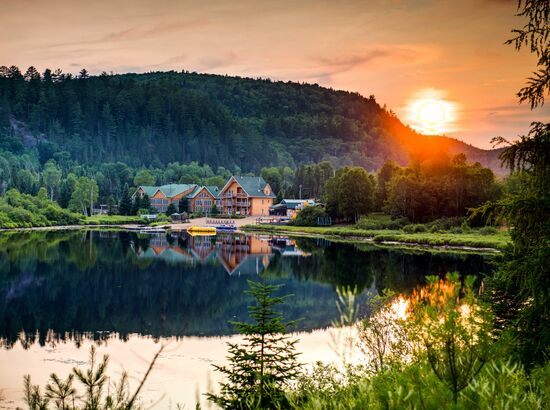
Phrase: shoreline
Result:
[386,238]
[391,238]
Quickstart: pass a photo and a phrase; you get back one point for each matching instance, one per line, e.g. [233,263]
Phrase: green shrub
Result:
[381,222]
[445,224]
[488,230]
[308,216]
[415,228]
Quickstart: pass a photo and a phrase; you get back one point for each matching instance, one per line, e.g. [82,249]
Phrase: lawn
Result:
[112,220]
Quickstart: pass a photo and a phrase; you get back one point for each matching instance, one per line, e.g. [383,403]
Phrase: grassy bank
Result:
[475,238]
[112,220]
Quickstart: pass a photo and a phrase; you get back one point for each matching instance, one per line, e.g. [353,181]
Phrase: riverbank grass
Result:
[112,219]
[475,238]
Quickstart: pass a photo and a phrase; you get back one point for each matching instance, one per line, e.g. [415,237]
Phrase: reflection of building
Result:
[287,246]
[243,254]
[238,254]
[202,247]
[160,248]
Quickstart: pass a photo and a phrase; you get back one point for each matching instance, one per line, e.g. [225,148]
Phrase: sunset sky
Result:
[396,50]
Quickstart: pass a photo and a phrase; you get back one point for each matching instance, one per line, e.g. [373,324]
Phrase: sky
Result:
[400,51]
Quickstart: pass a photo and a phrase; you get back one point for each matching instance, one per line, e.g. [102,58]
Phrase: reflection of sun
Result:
[429,113]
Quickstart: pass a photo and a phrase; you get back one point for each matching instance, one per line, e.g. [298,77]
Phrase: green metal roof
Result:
[253,186]
[149,190]
[171,190]
[214,190]
[194,193]
[293,203]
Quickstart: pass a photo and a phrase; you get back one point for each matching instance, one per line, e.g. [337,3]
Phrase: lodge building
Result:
[249,196]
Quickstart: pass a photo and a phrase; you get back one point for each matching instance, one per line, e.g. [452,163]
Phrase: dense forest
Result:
[242,124]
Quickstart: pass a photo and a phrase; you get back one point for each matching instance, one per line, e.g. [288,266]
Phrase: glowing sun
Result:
[430,114]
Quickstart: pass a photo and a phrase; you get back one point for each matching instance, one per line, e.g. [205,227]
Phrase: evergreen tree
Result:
[524,276]
[262,367]
[146,202]
[171,209]
[125,204]
[183,205]
[214,210]
[136,205]
[111,205]
[66,190]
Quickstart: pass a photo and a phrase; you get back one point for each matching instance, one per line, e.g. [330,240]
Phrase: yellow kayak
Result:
[201,233]
[202,230]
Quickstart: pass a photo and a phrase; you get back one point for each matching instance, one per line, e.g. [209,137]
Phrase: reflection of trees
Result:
[76,282]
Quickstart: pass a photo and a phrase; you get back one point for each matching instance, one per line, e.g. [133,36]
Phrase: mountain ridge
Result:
[239,123]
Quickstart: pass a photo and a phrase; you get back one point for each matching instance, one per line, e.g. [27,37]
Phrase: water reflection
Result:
[88,284]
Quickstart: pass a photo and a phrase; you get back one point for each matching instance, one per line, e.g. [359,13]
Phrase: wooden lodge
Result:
[248,196]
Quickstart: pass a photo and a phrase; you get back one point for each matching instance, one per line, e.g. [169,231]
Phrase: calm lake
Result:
[128,293]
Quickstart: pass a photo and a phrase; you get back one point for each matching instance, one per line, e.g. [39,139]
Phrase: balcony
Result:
[231,195]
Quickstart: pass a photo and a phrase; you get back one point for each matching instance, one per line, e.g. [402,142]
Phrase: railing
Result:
[233,195]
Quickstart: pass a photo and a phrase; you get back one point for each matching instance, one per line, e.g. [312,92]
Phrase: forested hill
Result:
[157,118]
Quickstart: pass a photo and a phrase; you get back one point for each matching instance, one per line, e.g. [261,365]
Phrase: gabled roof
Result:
[148,189]
[214,191]
[194,193]
[169,190]
[253,186]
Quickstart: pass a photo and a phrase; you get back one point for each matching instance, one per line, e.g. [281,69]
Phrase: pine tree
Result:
[171,209]
[125,204]
[183,205]
[262,366]
[136,205]
[214,210]
[146,202]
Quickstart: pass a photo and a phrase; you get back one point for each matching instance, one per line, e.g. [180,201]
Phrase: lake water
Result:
[62,291]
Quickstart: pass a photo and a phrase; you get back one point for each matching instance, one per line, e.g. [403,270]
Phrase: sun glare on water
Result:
[430,114]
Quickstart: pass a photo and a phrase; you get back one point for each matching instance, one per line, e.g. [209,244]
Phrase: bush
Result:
[163,218]
[445,224]
[488,230]
[415,228]
[308,216]
[381,222]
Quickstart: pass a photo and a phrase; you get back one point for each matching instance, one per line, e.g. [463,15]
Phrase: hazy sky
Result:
[392,49]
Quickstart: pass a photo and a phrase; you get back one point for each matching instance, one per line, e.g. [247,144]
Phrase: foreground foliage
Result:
[63,395]
[432,350]
[522,281]
[262,367]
